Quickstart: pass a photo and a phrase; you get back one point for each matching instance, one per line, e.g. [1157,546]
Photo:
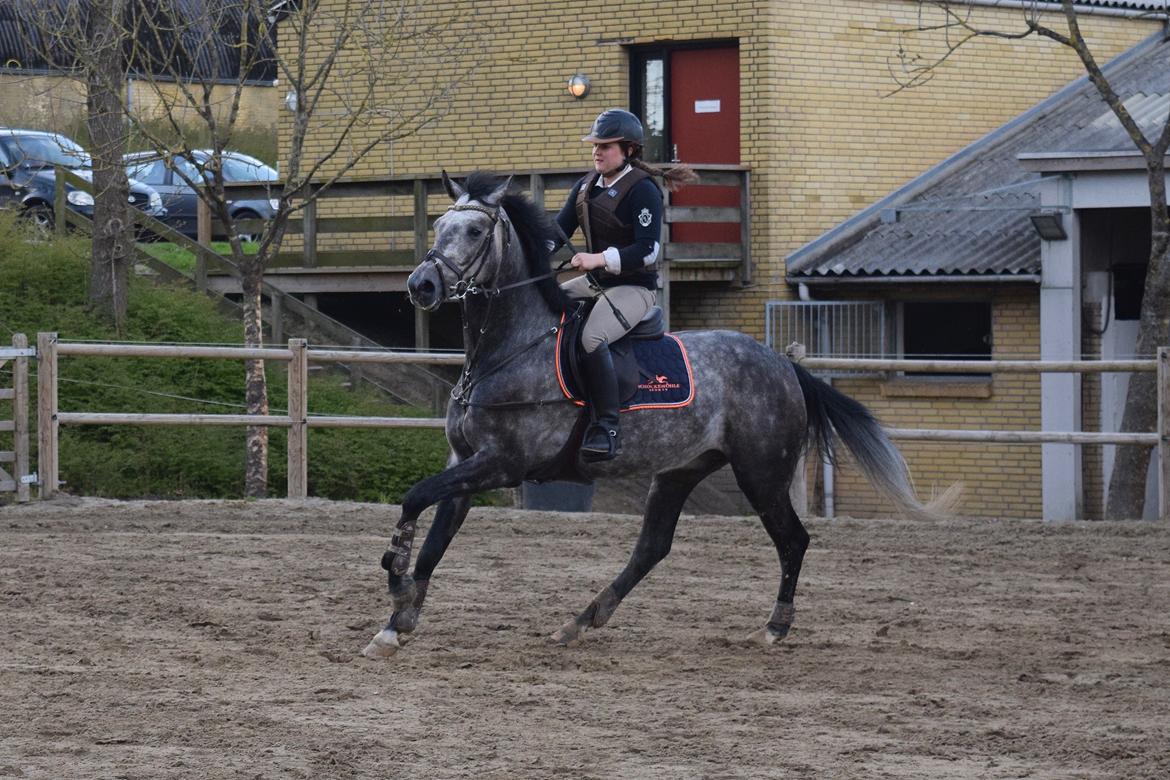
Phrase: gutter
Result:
[1086,10]
[1078,162]
[835,281]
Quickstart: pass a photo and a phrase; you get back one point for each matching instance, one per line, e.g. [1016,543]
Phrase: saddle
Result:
[652,367]
[653,372]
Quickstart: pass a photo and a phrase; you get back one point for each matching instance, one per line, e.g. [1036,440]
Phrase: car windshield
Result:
[240,168]
[46,150]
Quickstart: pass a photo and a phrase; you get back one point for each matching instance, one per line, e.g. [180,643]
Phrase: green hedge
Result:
[43,288]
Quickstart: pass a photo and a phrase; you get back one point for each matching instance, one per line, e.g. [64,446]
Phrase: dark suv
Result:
[28,180]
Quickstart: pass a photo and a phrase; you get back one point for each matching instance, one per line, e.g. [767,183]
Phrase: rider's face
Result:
[608,157]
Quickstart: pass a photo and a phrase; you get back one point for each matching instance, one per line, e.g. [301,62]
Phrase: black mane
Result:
[536,232]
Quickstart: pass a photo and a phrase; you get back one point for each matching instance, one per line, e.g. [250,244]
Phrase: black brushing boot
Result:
[603,438]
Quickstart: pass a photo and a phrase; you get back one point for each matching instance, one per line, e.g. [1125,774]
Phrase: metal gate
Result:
[14,476]
[829,329]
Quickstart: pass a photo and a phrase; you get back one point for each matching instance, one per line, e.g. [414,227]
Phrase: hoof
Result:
[764,637]
[568,635]
[384,644]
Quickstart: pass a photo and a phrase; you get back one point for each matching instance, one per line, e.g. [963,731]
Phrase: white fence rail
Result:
[298,355]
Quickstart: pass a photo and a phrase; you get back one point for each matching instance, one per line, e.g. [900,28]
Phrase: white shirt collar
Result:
[617,178]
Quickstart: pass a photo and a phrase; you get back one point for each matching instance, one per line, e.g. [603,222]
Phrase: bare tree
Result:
[954,22]
[359,74]
[87,41]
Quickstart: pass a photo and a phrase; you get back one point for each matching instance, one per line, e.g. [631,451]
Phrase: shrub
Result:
[43,287]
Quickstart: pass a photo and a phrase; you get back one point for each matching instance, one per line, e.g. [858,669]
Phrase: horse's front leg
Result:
[453,487]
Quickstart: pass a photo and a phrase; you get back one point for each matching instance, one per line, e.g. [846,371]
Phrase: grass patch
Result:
[183,260]
[43,288]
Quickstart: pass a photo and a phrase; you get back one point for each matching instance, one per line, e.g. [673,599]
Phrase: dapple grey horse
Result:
[507,420]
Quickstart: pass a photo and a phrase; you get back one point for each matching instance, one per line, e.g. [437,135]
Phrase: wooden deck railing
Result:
[689,261]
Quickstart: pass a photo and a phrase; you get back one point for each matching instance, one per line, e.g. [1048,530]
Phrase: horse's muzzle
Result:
[424,286]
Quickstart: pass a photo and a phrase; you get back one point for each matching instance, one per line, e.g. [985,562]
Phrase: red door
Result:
[704,128]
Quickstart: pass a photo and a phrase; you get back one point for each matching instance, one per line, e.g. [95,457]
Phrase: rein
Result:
[463,287]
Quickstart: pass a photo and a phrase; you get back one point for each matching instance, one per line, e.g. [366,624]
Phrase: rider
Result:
[619,208]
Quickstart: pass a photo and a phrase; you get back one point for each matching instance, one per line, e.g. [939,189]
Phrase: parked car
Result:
[179,196]
[28,178]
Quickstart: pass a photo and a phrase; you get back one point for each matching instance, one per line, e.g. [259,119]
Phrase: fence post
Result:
[298,405]
[309,234]
[276,314]
[59,204]
[422,319]
[202,221]
[536,189]
[745,229]
[664,263]
[1164,434]
[47,413]
[20,418]
[203,236]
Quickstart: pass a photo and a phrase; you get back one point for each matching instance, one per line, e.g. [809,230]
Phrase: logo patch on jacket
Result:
[644,217]
[611,192]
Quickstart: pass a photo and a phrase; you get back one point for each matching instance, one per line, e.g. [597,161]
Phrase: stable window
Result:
[945,330]
[1129,283]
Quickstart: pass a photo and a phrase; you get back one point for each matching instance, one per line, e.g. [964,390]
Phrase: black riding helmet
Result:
[615,125]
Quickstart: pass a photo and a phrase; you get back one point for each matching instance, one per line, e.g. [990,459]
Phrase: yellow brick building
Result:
[822,129]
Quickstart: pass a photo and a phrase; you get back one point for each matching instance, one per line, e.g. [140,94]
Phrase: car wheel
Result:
[40,218]
[245,236]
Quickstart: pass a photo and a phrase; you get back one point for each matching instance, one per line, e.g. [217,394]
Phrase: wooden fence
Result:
[298,355]
[314,269]
[18,479]
[286,313]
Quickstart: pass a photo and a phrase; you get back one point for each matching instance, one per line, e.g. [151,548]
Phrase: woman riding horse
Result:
[619,208]
[509,420]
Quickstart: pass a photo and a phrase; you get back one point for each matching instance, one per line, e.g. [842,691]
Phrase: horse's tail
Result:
[830,410]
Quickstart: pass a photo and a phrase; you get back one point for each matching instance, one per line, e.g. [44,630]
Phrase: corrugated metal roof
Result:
[22,47]
[1147,5]
[969,214]
[1105,133]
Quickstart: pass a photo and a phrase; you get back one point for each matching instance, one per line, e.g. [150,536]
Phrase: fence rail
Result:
[690,260]
[298,355]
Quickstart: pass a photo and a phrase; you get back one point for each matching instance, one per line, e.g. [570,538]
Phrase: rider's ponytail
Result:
[673,178]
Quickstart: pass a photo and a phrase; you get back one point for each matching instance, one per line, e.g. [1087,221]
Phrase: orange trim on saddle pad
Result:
[657,383]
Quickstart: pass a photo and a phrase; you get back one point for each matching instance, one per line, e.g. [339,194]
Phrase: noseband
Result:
[467,286]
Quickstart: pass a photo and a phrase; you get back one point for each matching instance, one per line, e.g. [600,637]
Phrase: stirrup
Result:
[613,442]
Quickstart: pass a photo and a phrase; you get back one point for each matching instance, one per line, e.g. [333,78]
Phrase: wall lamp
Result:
[579,86]
[1049,225]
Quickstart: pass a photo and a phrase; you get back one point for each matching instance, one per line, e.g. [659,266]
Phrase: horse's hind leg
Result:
[668,493]
[770,499]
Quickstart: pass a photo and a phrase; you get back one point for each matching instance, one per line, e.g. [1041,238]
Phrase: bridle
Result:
[466,284]
[465,281]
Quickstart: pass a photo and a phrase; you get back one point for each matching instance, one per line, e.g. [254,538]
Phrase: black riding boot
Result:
[602,439]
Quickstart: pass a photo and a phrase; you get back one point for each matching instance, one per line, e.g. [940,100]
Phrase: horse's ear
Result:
[499,192]
[453,189]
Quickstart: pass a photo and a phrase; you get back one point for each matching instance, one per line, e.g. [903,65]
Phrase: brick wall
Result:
[822,129]
[819,128]
[1000,480]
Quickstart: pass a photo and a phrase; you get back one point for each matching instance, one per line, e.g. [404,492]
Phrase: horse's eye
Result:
[474,232]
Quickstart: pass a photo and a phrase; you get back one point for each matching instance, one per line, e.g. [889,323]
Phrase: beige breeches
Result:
[603,325]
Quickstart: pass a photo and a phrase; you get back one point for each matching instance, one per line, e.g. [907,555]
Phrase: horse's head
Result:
[469,240]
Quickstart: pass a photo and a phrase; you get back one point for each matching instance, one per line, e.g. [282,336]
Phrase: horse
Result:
[507,420]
